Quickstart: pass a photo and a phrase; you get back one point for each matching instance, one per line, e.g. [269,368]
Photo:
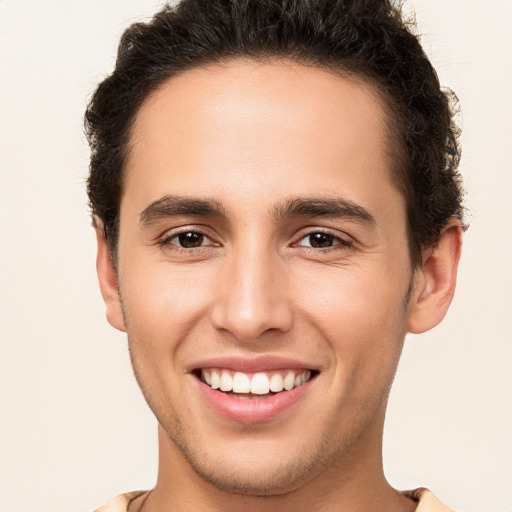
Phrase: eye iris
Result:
[190,239]
[319,240]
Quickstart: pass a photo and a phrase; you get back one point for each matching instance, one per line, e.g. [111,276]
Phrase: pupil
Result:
[319,240]
[190,239]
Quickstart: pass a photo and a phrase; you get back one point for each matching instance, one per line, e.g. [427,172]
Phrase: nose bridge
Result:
[252,298]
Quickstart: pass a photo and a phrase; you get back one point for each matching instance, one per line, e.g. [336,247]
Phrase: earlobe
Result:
[435,280]
[108,280]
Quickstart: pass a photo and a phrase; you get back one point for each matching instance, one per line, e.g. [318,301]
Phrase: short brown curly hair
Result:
[368,39]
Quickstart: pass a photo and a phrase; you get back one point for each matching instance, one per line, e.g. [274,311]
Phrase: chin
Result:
[246,481]
[255,468]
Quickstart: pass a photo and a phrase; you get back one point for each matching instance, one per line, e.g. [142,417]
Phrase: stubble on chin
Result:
[245,479]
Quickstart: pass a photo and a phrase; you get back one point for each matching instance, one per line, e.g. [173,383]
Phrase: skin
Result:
[250,137]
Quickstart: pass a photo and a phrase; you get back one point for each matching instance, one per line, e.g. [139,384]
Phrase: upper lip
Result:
[253,364]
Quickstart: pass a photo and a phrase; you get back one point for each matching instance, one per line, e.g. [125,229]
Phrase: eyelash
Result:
[167,240]
[337,241]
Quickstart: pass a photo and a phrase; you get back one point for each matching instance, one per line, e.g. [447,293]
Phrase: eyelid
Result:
[343,239]
[168,235]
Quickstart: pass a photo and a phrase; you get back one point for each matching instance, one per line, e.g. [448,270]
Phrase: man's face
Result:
[260,233]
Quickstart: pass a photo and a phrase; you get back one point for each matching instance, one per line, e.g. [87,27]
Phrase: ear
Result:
[434,283]
[107,277]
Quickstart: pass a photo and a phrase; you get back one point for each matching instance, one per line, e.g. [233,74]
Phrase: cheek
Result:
[353,298]
[362,315]
[162,308]
[162,302]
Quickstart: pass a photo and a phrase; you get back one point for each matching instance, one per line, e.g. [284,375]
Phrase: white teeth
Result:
[215,379]
[289,381]
[241,383]
[276,383]
[226,381]
[260,384]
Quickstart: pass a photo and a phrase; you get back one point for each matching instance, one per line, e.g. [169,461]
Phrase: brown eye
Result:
[318,240]
[189,239]
[321,240]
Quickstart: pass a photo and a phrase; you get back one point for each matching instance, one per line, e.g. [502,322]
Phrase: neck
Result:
[353,483]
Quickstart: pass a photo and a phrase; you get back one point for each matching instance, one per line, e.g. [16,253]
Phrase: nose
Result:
[251,298]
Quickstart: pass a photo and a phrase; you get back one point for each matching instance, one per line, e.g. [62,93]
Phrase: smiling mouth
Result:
[254,385]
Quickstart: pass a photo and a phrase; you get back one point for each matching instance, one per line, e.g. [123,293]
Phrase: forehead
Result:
[258,127]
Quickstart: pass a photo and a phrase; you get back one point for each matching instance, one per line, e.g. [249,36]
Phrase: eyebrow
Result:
[323,207]
[171,205]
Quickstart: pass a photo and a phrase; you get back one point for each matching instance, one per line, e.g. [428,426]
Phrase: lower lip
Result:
[252,410]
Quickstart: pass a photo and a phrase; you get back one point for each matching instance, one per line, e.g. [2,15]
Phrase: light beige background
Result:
[74,429]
